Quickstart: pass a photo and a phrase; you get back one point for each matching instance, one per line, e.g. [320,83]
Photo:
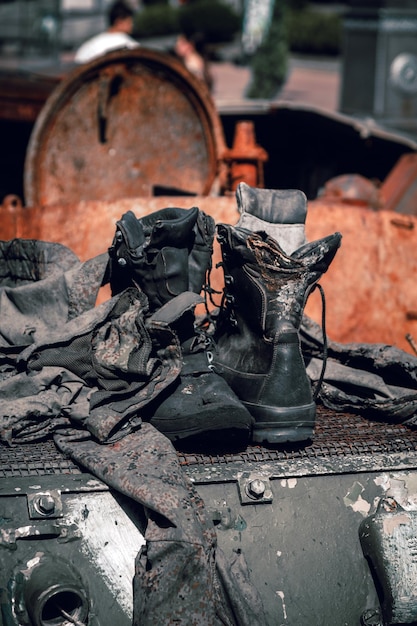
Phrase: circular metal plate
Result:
[403,73]
[132,123]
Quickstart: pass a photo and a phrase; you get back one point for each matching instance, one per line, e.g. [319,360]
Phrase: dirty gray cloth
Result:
[181,575]
[81,375]
[50,288]
[376,380]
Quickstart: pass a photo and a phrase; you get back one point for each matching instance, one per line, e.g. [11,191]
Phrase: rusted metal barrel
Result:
[130,124]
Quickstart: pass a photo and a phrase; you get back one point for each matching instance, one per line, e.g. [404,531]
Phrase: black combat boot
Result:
[257,341]
[167,254]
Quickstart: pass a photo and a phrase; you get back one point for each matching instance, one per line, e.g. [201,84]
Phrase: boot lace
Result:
[318,384]
[209,291]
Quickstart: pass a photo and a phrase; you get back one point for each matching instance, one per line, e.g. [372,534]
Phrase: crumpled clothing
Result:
[376,380]
[32,407]
[51,287]
[181,575]
[82,375]
[140,361]
[24,261]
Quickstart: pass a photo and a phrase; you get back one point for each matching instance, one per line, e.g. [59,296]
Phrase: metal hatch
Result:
[129,124]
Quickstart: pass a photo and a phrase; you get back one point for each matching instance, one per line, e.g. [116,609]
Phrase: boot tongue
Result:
[290,237]
[279,213]
[277,206]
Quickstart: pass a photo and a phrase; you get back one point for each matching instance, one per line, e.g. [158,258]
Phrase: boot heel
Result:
[280,425]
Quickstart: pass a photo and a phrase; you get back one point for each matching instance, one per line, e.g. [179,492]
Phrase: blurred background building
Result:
[373,41]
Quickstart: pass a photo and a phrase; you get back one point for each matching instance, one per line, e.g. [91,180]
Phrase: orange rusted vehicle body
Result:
[80,178]
[371,292]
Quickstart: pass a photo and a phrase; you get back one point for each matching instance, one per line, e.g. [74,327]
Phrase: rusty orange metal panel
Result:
[399,189]
[131,123]
[370,288]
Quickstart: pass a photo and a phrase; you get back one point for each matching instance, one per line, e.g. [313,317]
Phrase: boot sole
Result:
[280,425]
[217,421]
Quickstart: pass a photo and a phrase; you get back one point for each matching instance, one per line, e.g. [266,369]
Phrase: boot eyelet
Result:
[210,359]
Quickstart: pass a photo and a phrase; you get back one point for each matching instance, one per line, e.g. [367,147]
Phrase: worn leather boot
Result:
[167,255]
[257,341]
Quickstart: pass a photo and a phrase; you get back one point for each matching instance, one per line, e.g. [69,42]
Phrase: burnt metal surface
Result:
[292,511]
[40,459]
[306,146]
[388,539]
[343,442]
[377,256]
[129,124]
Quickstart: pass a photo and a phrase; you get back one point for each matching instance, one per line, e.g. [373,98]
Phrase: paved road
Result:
[313,82]
[310,82]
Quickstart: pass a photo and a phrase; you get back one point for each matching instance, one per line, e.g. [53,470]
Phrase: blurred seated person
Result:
[117,35]
[191,51]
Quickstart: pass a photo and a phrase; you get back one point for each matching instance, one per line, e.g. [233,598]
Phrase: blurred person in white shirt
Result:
[117,36]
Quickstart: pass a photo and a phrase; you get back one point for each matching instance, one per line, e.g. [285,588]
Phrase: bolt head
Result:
[256,488]
[45,504]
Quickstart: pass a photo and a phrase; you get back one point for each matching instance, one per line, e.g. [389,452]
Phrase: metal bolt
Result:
[45,504]
[256,488]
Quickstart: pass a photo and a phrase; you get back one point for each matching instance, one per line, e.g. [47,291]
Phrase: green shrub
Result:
[314,32]
[214,19]
[148,3]
[269,64]
[156,20]
[297,4]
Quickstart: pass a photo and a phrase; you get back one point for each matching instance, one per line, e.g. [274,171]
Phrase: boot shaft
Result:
[266,286]
[165,253]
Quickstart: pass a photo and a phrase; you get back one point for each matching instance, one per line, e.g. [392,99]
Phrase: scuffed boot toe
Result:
[202,409]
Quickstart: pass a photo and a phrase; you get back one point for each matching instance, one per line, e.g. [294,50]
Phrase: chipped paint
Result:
[391,523]
[291,483]
[382,480]
[402,487]
[282,596]
[32,562]
[104,532]
[354,499]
